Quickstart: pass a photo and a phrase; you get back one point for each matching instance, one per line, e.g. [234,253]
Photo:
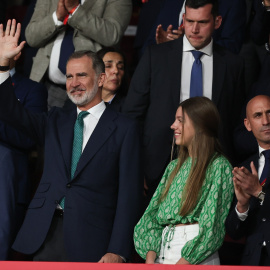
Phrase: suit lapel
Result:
[100,135]
[219,72]
[65,128]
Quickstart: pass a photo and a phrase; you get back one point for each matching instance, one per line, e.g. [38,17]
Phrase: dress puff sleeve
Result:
[215,201]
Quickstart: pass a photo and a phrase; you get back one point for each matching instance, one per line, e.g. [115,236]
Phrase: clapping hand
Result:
[169,34]
[246,184]
[9,48]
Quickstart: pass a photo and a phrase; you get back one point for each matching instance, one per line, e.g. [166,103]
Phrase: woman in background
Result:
[184,222]
[115,85]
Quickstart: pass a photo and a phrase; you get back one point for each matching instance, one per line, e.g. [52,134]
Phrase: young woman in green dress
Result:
[184,222]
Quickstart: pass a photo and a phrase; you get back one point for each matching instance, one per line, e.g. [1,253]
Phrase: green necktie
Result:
[77,141]
[77,146]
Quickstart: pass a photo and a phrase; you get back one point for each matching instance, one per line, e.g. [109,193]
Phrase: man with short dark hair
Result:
[250,215]
[164,78]
[88,199]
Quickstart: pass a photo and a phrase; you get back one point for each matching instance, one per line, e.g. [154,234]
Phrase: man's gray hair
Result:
[98,64]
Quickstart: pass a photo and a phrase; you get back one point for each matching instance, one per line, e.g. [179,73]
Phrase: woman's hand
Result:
[150,257]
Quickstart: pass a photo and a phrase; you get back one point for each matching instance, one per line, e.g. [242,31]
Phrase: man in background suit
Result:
[162,80]
[250,215]
[88,200]
[15,188]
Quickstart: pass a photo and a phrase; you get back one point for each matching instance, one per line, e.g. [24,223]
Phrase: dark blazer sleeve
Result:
[138,98]
[33,97]
[130,192]
[13,113]
[8,202]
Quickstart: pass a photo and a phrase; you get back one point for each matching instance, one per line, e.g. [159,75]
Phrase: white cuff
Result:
[56,22]
[242,216]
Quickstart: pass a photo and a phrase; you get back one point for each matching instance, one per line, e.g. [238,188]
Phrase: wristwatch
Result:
[261,196]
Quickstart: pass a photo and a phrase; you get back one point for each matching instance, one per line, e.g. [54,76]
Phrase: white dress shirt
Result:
[91,120]
[207,69]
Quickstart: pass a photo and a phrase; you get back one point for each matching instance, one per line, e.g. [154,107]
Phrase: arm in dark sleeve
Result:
[130,192]
[33,97]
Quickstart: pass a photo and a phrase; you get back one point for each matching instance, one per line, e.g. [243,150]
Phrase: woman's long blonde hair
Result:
[204,147]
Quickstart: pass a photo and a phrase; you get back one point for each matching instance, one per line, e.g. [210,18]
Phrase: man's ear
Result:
[184,17]
[247,124]
[101,79]
[218,22]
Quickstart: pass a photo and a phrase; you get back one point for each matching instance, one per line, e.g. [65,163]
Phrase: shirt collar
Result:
[96,111]
[187,47]
[12,72]
[261,150]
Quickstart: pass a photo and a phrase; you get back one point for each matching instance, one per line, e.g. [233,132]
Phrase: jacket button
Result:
[68,185]
[264,219]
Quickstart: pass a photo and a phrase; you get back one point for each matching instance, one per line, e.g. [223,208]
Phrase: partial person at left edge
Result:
[88,200]
[15,186]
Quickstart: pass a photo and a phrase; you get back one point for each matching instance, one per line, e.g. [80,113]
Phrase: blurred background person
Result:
[115,86]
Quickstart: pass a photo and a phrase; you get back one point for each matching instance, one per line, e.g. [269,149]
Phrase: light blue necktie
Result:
[77,147]
[196,81]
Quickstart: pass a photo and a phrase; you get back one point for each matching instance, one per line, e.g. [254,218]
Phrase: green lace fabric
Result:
[210,212]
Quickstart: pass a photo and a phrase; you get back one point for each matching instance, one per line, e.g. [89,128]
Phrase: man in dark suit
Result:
[87,203]
[162,80]
[250,215]
[15,188]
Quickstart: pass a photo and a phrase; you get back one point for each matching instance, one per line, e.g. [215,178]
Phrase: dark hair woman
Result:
[115,86]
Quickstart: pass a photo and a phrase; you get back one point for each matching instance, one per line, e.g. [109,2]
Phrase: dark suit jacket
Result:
[118,102]
[255,227]
[14,147]
[154,96]
[14,194]
[102,200]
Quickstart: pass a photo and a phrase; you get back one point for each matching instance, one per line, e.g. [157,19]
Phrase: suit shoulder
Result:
[166,46]
[227,55]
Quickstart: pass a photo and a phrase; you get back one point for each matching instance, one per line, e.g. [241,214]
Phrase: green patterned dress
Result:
[211,211]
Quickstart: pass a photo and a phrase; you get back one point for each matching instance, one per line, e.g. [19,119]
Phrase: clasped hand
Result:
[64,7]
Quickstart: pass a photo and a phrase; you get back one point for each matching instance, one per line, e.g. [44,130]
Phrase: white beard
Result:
[84,97]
